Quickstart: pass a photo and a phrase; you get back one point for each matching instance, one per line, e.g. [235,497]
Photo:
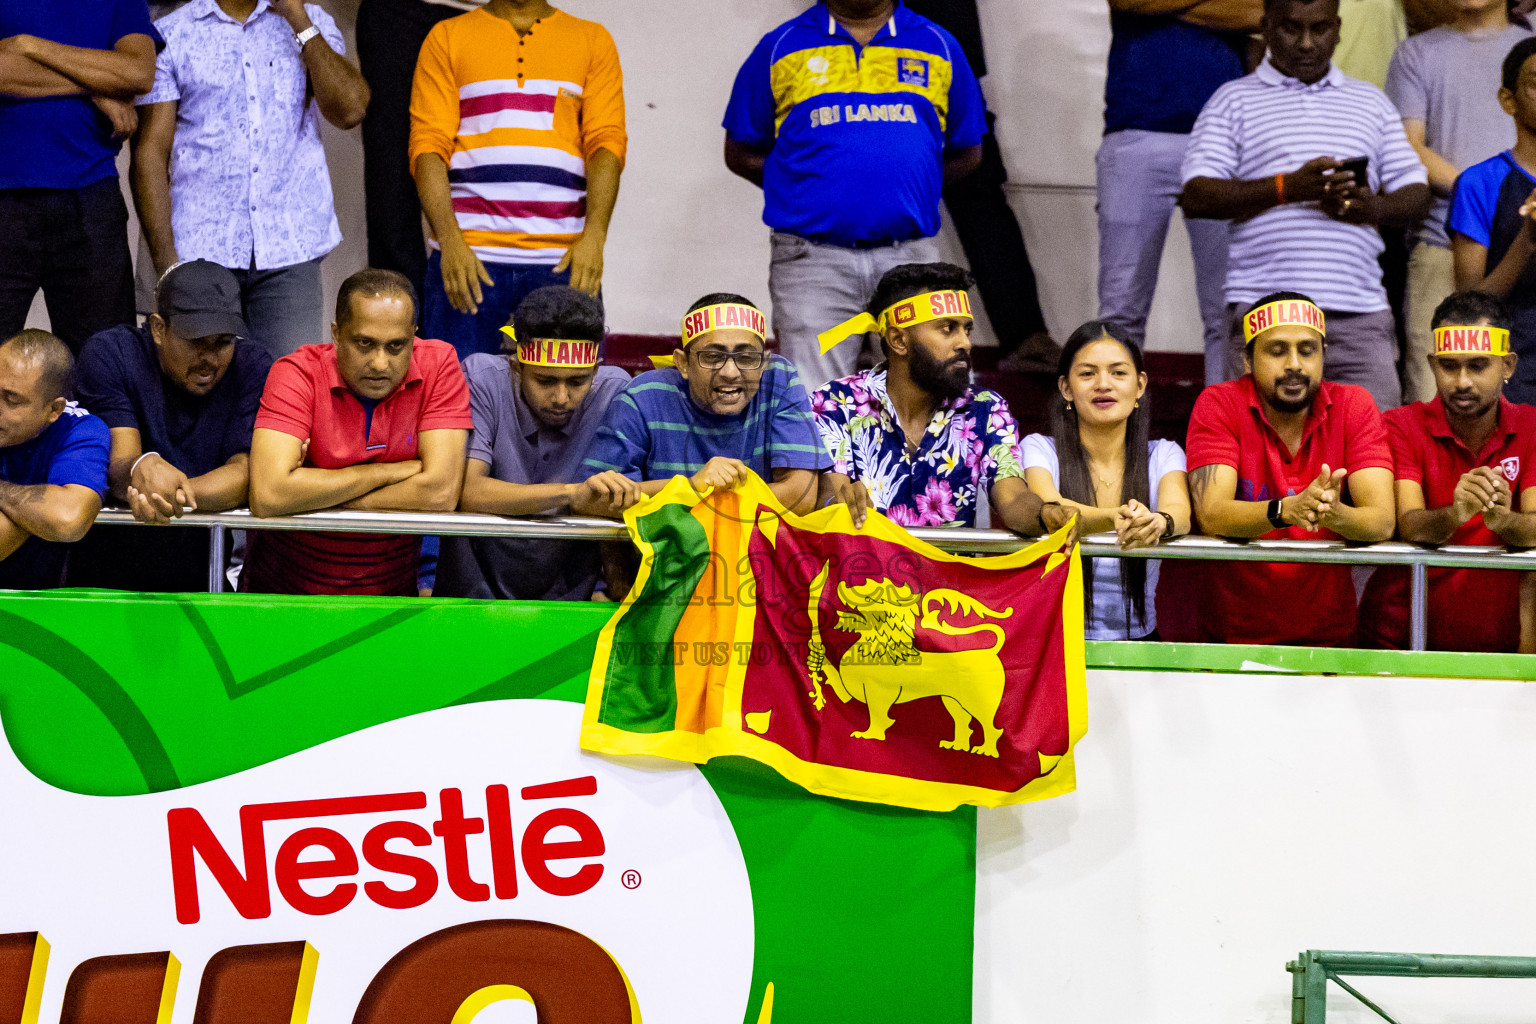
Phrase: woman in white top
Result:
[1100,463]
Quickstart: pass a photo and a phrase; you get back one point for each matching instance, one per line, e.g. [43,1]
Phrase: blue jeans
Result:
[469,333]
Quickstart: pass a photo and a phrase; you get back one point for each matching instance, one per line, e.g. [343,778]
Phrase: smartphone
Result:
[1358,167]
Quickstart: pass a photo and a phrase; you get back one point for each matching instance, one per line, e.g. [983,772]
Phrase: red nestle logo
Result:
[250,894]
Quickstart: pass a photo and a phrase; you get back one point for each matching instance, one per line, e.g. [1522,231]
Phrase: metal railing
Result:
[1311,972]
[991,542]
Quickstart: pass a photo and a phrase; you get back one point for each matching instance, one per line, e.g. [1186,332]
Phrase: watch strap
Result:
[1273,512]
[304,37]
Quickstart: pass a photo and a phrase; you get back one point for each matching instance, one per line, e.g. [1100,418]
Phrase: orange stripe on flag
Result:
[701,681]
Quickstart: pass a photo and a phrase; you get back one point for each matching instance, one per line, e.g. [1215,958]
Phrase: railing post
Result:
[217,538]
[1418,604]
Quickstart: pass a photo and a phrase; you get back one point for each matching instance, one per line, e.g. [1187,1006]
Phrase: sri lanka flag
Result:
[862,664]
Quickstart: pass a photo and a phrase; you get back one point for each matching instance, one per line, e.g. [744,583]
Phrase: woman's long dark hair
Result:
[1076,482]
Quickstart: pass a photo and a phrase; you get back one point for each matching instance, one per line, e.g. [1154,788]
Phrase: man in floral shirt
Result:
[912,438]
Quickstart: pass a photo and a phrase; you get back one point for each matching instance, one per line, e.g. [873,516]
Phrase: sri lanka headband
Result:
[1470,341]
[1282,313]
[561,352]
[919,309]
[721,316]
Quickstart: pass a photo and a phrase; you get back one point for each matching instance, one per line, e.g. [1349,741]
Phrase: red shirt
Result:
[1277,603]
[306,397]
[1469,609]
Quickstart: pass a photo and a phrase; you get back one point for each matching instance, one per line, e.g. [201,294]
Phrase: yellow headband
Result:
[719,317]
[1471,341]
[919,309]
[568,353]
[1283,313]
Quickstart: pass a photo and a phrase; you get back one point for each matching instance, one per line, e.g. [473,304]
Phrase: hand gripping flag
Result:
[863,664]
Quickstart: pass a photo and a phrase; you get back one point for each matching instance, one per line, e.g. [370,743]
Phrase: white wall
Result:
[1224,823]
[685,225]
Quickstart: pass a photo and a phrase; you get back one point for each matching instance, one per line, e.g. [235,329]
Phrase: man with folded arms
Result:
[1281,453]
[377,420]
[1466,474]
[53,462]
[912,438]
[535,416]
[716,408]
[180,395]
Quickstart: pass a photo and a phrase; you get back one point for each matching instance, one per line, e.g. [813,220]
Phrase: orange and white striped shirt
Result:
[516,118]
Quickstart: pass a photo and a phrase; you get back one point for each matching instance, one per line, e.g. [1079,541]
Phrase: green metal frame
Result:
[1311,972]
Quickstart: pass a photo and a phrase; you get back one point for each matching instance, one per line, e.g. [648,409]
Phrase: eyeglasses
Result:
[746,359]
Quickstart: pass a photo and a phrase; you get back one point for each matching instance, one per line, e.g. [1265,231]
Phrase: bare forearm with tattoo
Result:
[1213,492]
[50,512]
[18,496]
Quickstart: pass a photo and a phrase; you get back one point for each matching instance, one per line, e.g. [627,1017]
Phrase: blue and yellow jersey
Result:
[856,136]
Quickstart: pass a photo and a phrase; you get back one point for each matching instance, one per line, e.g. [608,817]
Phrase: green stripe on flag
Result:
[640,691]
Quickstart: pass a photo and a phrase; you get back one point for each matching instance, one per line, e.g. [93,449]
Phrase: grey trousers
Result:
[815,287]
[284,308]
[1362,349]
[1138,187]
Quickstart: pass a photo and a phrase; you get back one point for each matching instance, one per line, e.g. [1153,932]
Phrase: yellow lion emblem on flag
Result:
[885,668]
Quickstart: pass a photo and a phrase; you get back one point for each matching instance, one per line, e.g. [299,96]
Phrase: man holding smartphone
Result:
[1308,228]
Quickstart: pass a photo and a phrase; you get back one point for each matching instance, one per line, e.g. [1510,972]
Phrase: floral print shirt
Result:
[971,443]
[250,187]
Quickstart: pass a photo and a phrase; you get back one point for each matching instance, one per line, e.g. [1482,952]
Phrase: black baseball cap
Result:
[198,299]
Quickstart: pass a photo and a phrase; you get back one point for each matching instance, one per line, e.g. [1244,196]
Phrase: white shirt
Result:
[248,171]
[1112,617]
[1266,124]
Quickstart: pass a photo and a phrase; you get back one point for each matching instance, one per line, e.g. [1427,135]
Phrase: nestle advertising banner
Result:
[222,809]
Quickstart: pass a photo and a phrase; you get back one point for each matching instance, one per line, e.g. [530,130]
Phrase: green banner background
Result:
[862,912]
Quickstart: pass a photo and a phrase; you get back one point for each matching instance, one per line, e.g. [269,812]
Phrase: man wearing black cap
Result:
[181,395]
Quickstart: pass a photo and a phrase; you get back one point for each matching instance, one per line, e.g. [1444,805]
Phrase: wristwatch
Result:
[1167,530]
[304,37]
[1273,511]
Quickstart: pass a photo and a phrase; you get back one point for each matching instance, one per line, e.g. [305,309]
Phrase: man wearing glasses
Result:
[719,406]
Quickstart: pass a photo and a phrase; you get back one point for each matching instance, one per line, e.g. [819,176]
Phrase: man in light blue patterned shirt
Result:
[228,165]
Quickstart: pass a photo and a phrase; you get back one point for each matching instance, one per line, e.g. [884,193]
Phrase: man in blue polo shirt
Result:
[851,117]
[717,407]
[69,70]
[180,395]
[1165,62]
[53,462]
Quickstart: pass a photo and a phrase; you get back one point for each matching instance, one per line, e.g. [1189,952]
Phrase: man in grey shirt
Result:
[535,414]
[1445,83]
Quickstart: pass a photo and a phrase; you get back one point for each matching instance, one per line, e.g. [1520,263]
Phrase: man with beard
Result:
[912,438]
[1281,453]
[719,406]
[181,395]
[1466,461]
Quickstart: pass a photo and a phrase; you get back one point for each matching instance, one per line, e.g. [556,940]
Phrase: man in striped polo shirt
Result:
[517,142]
[717,407]
[1267,153]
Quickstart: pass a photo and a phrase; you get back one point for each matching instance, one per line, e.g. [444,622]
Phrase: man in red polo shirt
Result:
[1282,453]
[377,420]
[1466,460]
